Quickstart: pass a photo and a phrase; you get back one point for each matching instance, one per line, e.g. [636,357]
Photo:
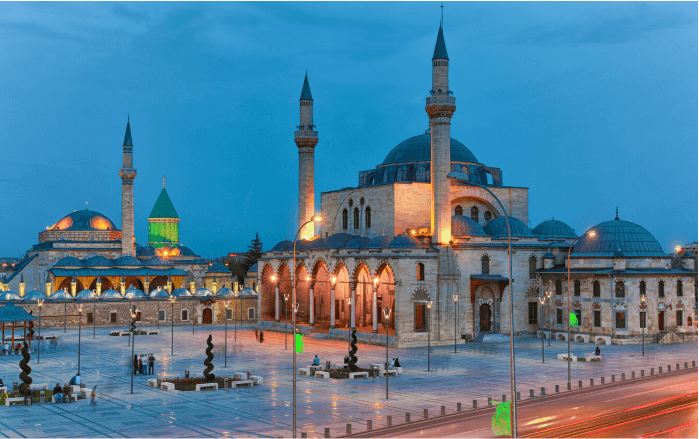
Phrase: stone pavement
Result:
[477,371]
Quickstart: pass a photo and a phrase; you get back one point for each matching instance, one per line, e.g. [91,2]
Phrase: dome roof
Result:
[203,292]
[110,294]
[147,251]
[159,292]
[404,241]
[317,243]
[98,261]
[181,292]
[358,242]
[253,268]
[419,149]
[61,294]
[283,246]
[69,261]
[338,240]
[35,294]
[303,244]
[498,227]
[618,236]
[225,291]
[554,229]
[687,254]
[9,295]
[86,294]
[464,225]
[186,251]
[127,261]
[217,267]
[549,255]
[379,242]
[84,220]
[134,293]
[247,291]
[156,261]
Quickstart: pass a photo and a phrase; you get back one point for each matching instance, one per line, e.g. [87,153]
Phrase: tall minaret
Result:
[440,107]
[127,174]
[306,139]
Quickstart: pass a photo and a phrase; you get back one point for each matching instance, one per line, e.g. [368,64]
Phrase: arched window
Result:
[559,287]
[356,217]
[661,289]
[371,180]
[344,219]
[420,173]
[474,213]
[679,288]
[367,217]
[595,289]
[485,264]
[642,288]
[420,271]
[619,289]
[487,215]
[459,211]
[532,267]
[401,175]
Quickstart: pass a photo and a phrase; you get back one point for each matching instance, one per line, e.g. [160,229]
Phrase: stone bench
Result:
[593,357]
[167,386]
[152,332]
[324,375]
[242,383]
[9,401]
[3,389]
[257,379]
[316,368]
[355,375]
[305,371]
[379,366]
[74,397]
[86,392]
[546,334]
[390,372]
[152,382]
[565,356]
[562,336]
[213,386]
[397,369]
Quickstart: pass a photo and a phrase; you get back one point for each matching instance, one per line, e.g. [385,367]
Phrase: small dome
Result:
[217,267]
[687,255]
[86,294]
[69,261]
[146,251]
[379,242]
[84,220]
[247,292]
[224,292]
[554,229]
[186,251]
[61,294]
[419,149]
[181,292]
[127,261]
[283,246]
[549,255]
[9,295]
[358,242]
[464,225]
[157,261]
[404,241]
[134,293]
[498,227]
[35,294]
[159,292]
[316,243]
[98,261]
[253,268]
[111,294]
[302,244]
[338,240]
[203,292]
[617,235]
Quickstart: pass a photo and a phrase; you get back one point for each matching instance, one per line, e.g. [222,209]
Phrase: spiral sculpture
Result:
[26,370]
[353,358]
[208,376]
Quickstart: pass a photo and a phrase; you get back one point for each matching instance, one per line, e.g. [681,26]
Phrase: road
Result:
[660,406]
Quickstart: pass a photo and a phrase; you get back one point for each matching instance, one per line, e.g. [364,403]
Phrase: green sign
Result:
[299,343]
[501,420]
[574,319]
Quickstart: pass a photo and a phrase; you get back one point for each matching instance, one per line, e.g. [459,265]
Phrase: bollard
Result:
[557,388]
[425,414]
[444,410]
[531,393]
[15,384]
[519,396]
[623,376]
[592,382]
[389,420]
[613,378]
[368,425]
[42,397]
[602,380]
[304,434]
[475,404]
[407,417]
[543,391]
[643,373]
[349,428]
[159,382]
[579,384]
[490,401]
[458,406]
[504,398]
[651,371]
[568,386]
[327,432]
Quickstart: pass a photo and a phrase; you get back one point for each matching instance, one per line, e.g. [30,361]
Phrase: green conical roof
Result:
[127,136]
[306,91]
[163,207]
[440,49]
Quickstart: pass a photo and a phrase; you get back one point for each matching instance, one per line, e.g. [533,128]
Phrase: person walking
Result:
[135,364]
[151,363]
[262,337]
[93,403]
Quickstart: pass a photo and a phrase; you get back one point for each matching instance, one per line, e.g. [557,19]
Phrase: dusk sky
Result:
[589,105]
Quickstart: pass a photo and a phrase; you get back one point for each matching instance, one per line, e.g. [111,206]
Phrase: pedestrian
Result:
[135,364]
[140,365]
[257,335]
[93,403]
[151,363]
[597,352]
[262,337]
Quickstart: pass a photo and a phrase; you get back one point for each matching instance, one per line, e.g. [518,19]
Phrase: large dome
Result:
[615,235]
[84,220]
[419,149]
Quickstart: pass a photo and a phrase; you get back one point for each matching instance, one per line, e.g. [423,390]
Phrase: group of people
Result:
[7,349]
[260,336]
[393,364]
[143,365]
[62,394]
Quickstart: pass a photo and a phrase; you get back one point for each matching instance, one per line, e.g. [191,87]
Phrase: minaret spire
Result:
[127,174]
[306,139]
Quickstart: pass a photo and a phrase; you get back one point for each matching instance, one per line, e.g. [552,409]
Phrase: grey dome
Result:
[127,261]
[157,261]
[317,243]
[159,292]
[247,291]
[498,227]
[549,255]
[419,149]
[186,251]
[203,292]
[217,267]
[358,242]
[253,268]
[338,240]
[86,294]
[84,220]
[61,294]
[379,242]
[463,225]
[69,261]
[554,229]
[303,244]
[283,246]
[404,241]
[98,261]
[181,292]
[145,251]
[134,293]
[618,236]
[111,294]
[9,295]
[225,291]
[35,294]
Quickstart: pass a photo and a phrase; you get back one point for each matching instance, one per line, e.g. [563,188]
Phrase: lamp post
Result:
[349,325]
[465,179]
[225,346]
[192,315]
[317,219]
[541,325]
[286,319]
[94,319]
[40,302]
[80,325]
[172,325]
[456,305]
[643,327]
[548,296]
[235,318]
[133,334]
[386,316]
[429,307]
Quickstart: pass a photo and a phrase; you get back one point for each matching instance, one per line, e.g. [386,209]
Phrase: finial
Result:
[441,22]
[163,182]
[85,205]
[127,117]
[617,213]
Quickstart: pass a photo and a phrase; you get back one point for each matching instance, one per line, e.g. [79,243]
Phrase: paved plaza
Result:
[476,371]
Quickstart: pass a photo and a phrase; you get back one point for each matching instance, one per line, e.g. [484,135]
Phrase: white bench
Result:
[316,367]
[86,392]
[167,386]
[257,379]
[75,389]
[379,366]
[581,338]
[565,356]
[593,357]
[153,332]
[242,383]
[398,369]
[321,374]
[152,382]
[74,397]
[355,375]
[305,371]
[390,372]
[9,401]
[207,386]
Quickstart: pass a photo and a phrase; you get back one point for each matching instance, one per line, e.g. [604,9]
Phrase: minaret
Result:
[440,107]
[306,139]
[127,174]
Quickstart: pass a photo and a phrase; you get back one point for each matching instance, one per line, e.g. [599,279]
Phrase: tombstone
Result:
[42,397]
[225,383]
[15,384]
[327,366]
[186,374]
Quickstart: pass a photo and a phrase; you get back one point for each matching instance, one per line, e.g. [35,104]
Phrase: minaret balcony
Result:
[305,133]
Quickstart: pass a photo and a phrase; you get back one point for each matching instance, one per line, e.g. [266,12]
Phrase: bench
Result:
[316,368]
[207,386]
[322,374]
[379,366]
[355,375]
[152,382]
[305,371]
[604,339]
[74,397]
[167,386]
[390,372]
[152,332]
[593,357]
[9,401]
[398,369]
[565,356]
[242,383]
[75,389]
[257,379]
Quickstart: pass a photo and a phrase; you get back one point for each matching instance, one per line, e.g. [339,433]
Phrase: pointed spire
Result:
[440,49]
[306,91]
[617,214]
[163,182]
[127,136]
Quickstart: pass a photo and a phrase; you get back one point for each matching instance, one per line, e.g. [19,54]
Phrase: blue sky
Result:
[590,105]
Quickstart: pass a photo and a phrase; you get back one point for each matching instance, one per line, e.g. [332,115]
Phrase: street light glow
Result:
[317,218]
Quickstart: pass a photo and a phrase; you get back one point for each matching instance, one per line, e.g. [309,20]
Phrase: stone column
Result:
[332,308]
[353,307]
[311,313]
[374,313]
[276,303]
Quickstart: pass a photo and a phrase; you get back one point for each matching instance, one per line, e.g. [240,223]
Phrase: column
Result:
[353,307]
[311,313]
[332,308]
[276,303]
[374,322]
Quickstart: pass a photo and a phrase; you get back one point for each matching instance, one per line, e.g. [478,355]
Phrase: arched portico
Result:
[267,293]
[386,297]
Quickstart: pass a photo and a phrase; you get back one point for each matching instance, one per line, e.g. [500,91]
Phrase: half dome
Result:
[225,292]
[133,293]
[181,292]
[618,236]
[498,227]
[203,292]
[159,292]
[9,295]
[248,292]
[186,251]
[419,149]
[35,294]
[554,229]
[61,294]
[283,246]
[86,294]
[111,294]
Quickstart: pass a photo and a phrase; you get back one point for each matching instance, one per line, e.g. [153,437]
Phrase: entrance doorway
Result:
[207,316]
[661,320]
[484,317]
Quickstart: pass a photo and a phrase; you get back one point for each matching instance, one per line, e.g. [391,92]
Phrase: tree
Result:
[254,253]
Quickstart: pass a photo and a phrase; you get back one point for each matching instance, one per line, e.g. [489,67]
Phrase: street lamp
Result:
[235,319]
[94,317]
[465,179]
[172,325]
[548,296]
[429,307]
[40,302]
[386,316]
[133,334]
[542,300]
[317,219]
[456,305]
[643,327]
[374,311]
[225,346]
[80,325]
[349,326]
[286,319]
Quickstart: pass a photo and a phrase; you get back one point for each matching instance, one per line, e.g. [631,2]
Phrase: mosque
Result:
[433,253]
